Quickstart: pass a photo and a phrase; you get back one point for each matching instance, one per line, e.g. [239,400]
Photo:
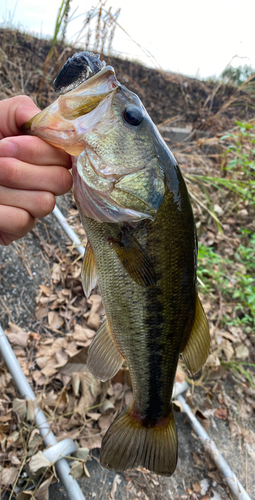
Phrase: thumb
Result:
[14,113]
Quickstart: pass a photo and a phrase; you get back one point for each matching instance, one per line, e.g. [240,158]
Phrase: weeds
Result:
[233,278]
[240,156]
[238,367]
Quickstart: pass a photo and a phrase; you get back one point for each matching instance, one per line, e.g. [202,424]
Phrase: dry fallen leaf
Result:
[54,319]
[105,421]
[25,495]
[41,311]
[242,352]
[20,406]
[96,311]
[47,290]
[221,413]
[196,487]
[204,421]
[227,349]
[8,475]
[38,461]
[42,361]
[83,336]
[50,368]
[79,470]
[19,339]
[76,363]
[115,483]
[42,493]
[83,454]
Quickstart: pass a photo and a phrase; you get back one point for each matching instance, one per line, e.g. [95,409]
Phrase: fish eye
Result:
[133,115]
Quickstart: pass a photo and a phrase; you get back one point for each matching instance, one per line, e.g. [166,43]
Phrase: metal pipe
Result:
[62,467]
[234,485]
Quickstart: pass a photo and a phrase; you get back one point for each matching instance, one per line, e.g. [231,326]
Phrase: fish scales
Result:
[146,317]
[141,250]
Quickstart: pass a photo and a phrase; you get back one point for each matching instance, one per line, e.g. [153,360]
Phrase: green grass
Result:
[233,277]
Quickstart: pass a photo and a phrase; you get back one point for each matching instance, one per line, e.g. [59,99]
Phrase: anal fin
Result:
[104,359]
[88,272]
[129,443]
[197,347]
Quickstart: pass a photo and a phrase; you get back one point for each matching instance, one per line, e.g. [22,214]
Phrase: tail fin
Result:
[128,443]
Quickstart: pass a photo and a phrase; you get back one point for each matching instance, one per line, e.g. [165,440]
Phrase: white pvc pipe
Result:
[62,467]
[61,449]
[69,231]
[235,487]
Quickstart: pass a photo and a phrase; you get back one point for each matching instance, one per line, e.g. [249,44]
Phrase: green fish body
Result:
[142,251]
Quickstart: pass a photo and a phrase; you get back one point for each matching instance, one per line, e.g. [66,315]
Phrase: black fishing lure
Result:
[78,68]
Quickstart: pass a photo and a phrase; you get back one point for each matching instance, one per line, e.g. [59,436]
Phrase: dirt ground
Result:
[29,264]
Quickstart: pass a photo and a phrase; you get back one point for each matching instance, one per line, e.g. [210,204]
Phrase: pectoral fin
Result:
[134,259]
[104,359]
[88,272]
[197,347]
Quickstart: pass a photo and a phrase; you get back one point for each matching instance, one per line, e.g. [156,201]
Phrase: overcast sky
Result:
[195,38]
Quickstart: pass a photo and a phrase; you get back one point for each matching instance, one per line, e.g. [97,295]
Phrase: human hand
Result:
[32,172]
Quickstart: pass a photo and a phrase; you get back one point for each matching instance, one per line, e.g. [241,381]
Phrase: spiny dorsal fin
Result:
[129,443]
[88,272]
[196,349]
[104,359]
[135,260]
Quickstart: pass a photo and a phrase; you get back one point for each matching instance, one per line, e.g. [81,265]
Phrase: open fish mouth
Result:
[64,122]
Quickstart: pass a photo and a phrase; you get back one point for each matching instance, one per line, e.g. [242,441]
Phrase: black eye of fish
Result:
[132,115]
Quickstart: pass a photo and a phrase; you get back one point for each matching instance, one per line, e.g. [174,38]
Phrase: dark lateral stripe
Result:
[154,323]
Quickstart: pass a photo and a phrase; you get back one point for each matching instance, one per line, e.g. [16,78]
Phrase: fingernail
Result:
[8,148]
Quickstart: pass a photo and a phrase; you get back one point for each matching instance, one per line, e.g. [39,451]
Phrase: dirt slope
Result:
[166,96]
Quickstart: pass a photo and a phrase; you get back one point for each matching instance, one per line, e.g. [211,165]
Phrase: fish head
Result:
[116,148]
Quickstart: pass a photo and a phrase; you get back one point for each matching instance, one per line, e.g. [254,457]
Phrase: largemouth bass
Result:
[141,250]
